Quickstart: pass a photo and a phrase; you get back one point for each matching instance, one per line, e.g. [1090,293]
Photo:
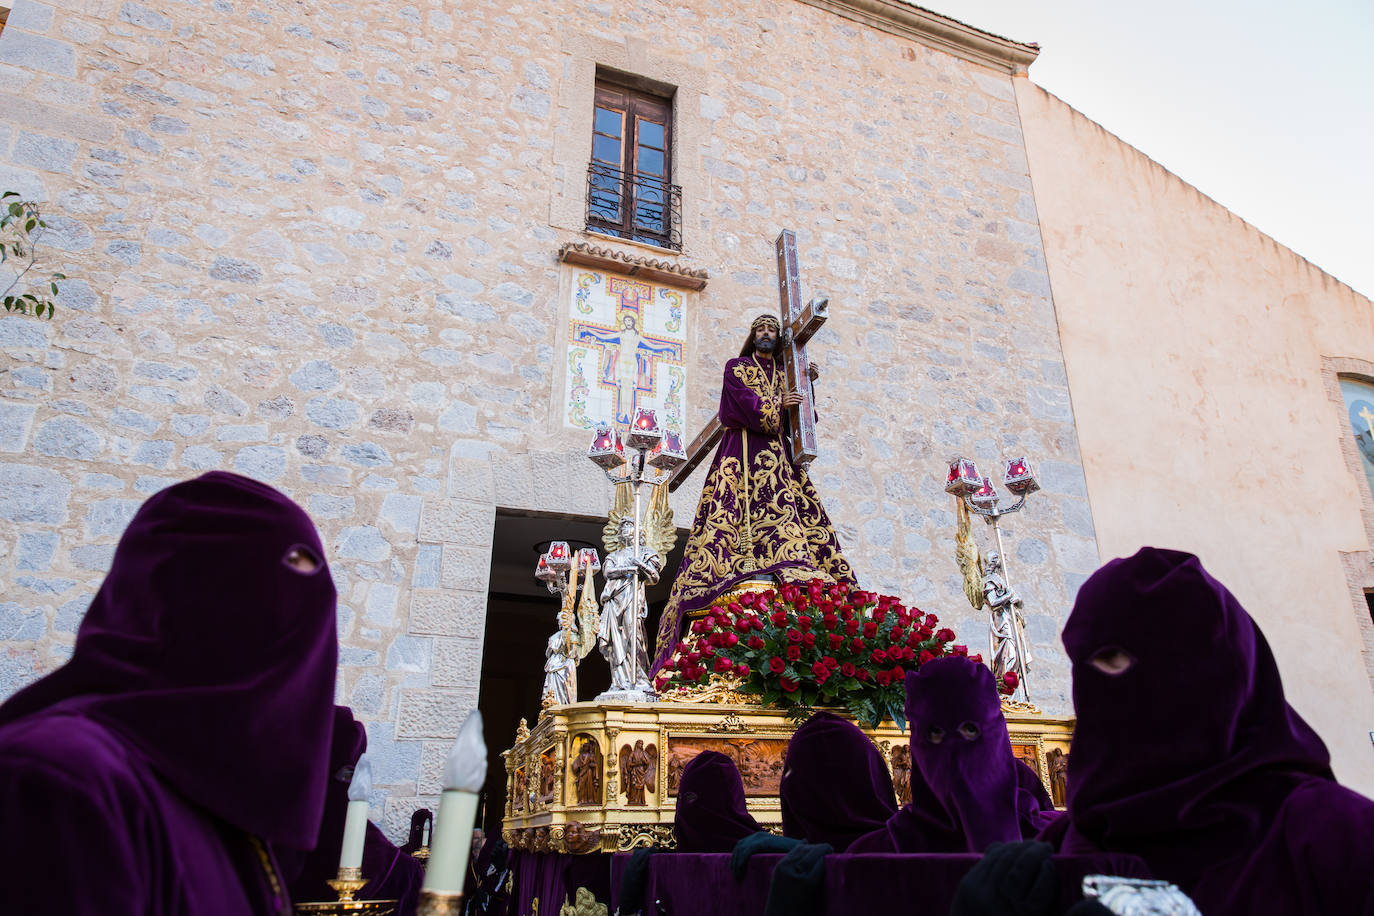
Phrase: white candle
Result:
[355,822]
[451,843]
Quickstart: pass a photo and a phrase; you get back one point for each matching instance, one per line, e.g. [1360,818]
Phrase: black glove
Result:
[795,889]
[763,841]
[635,881]
[1013,879]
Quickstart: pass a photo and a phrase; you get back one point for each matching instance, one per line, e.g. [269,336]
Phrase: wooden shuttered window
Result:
[629,181]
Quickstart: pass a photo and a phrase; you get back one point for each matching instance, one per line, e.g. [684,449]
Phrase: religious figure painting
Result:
[626,350]
[1359,405]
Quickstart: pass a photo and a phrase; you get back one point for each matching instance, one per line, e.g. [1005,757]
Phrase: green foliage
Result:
[21,224]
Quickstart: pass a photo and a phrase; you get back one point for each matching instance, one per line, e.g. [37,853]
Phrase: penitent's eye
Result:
[935,734]
[970,731]
[301,559]
[1112,660]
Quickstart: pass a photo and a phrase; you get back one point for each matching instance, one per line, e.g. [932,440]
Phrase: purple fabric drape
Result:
[390,873]
[195,711]
[711,814]
[963,774]
[835,785]
[702,885]
[1034,809]
[792,536]
[1191,757]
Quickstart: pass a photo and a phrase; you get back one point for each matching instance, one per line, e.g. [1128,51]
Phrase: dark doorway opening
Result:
[521,614]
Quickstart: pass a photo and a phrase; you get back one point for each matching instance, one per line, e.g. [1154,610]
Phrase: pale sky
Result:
[1266,107]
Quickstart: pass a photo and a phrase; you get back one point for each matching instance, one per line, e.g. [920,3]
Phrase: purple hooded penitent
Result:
[1189,756]
[835,786]
[390,873]
[195,713]
[711,815]
[963,774]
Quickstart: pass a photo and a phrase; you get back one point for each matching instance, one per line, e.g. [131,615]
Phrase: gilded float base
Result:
[599,777]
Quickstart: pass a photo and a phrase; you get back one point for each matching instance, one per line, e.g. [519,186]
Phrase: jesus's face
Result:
[765,338]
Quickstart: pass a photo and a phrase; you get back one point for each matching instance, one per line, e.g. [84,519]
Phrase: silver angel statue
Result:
[1006,627]
[571,643]
[621,638]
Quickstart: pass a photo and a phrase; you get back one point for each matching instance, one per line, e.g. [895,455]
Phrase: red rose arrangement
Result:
[816,645]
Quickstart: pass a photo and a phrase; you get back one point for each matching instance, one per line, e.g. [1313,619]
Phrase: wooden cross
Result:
[799,324]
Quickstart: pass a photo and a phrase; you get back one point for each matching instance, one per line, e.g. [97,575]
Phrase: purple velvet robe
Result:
[792,536]
[1192,759]
[835,786]
[964,788]
[192,721]
[391,874]
[711,813]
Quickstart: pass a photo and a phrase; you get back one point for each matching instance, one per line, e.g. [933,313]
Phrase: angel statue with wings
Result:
[638,770]
[571,642]
[985,585]
[628,568]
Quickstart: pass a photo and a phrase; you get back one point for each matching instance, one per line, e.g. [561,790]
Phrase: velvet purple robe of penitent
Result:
[835,785]
[711,814]
[964,782]
[1192,759]
[787,534]
[390,873]
[188,735]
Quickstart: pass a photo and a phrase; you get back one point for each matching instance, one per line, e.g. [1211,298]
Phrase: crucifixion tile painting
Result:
[627,341]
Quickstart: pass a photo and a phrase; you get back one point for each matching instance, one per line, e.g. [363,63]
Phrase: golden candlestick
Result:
[347,884]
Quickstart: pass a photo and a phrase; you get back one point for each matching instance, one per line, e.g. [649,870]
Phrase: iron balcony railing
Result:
[637,207]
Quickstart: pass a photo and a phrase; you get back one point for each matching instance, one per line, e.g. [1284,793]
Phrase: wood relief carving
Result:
[901,773]
[586,772]
[579,839]
[1027,754]
[521,784]
[548,775]
[1058,764]
[638,770]
[759,760]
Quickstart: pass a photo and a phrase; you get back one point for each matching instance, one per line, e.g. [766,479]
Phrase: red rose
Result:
[802,603]
[723,664]
[698,626]
[878,656]
[884,602]
[1011,680]
[756,623]
[961,651]
[847,612]
[830,621]
[908,653]
[847,669]
[897,673]
[755,643]
[747,599]
[879,613]
[931,620]
[776,665]
[896,633]
[789,685]
[835,640]
[870,629]
[794,635]
[742,625]
[830,662]
[819,669]
[793,653]
[731,639]
[670,664]
[926,632]
[682,646]
[851,627]
[926,656]
[691,657]
[977,659]
[707,652]
[779,618]
[804,622]
[809,640]
[822,678]
[883,679]
[815,589]
[742,669]
[945,635]
[660,683]
[716,639]
[856,644]
[862,674]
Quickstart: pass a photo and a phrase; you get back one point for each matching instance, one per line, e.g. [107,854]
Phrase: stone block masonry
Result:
[316,243]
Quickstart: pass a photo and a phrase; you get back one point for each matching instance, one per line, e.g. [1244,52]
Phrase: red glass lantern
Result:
[607,451]
[560,557]
[644,432]
[668,454]
[964,479]
[588,561]
[1020,478]
[543,571]
[985,497]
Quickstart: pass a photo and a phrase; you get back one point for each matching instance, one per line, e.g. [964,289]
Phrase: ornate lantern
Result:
[668,454]
[985,497]
[543,571]
[588,561]
[560,557]
[644,432]
[964,479]
[1020,479]
[607,451]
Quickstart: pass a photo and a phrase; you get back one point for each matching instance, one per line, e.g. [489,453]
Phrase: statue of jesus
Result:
[759,514]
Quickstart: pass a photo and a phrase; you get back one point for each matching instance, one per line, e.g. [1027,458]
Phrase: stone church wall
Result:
[316,244]
[1202,360]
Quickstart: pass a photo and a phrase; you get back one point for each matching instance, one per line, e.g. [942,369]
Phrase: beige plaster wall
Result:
[1202,358]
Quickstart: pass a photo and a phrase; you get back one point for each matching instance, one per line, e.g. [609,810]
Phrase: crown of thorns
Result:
[764,320]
